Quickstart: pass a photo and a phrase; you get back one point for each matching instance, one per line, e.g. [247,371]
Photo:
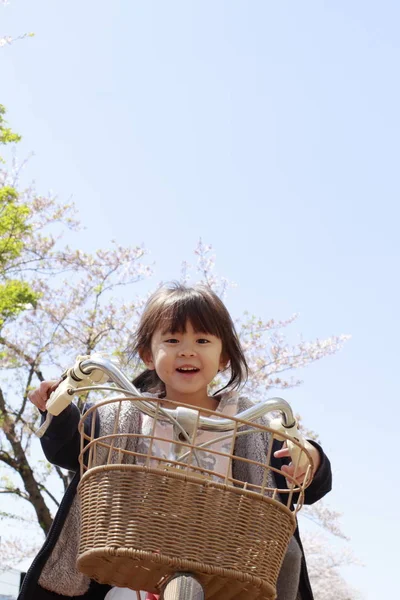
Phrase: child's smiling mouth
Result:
[187,370]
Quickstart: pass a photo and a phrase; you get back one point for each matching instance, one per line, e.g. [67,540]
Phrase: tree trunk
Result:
[35,496]
[20,464]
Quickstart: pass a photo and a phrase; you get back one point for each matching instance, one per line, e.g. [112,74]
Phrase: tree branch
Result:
[15,491]
[8,460]
[44,489]
[30,361]
[18,417]
[64,478]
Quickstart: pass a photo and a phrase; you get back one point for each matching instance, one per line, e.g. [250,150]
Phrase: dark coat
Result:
[61,445]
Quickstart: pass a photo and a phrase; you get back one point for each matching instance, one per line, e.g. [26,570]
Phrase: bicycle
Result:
[160,523]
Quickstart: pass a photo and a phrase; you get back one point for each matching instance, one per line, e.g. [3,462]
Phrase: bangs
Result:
[178,311]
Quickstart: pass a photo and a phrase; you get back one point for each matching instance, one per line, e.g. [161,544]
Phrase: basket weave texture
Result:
[143,518]
[140,525]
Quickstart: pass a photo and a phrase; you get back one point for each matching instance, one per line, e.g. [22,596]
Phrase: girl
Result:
[185,337]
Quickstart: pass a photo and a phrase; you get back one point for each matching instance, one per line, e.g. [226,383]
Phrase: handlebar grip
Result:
[74,378]
[298,457]
[60,398]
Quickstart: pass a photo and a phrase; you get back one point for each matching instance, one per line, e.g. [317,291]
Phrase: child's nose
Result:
[187,351]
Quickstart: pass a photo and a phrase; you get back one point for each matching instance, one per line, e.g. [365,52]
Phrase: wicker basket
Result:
[141,524]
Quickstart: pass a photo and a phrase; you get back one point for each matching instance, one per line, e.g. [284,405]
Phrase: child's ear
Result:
[223,363]
[147,358]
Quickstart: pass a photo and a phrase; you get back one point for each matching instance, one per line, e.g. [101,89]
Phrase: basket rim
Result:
[240,423]
[111,436]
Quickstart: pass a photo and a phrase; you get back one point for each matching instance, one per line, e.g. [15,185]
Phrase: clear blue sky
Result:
[271,129]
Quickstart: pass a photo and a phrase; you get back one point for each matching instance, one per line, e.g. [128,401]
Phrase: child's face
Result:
[186,362]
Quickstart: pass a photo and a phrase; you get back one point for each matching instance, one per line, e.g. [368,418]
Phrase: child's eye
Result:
[203,341]
[172,341]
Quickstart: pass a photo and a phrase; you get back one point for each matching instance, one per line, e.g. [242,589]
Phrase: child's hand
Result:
[301,471]
[40,396]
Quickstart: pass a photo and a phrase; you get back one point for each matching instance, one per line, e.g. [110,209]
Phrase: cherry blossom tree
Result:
[53,301]
[324,564]
[57,302]
[326,560]
[77,308]
[271,358]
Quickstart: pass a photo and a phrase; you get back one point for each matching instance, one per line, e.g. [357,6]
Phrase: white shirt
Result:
[124,594]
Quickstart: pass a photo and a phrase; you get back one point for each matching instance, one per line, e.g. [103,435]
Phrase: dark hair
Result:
[169,309]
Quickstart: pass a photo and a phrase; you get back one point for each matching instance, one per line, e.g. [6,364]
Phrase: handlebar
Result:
[91,368]
[97,369]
